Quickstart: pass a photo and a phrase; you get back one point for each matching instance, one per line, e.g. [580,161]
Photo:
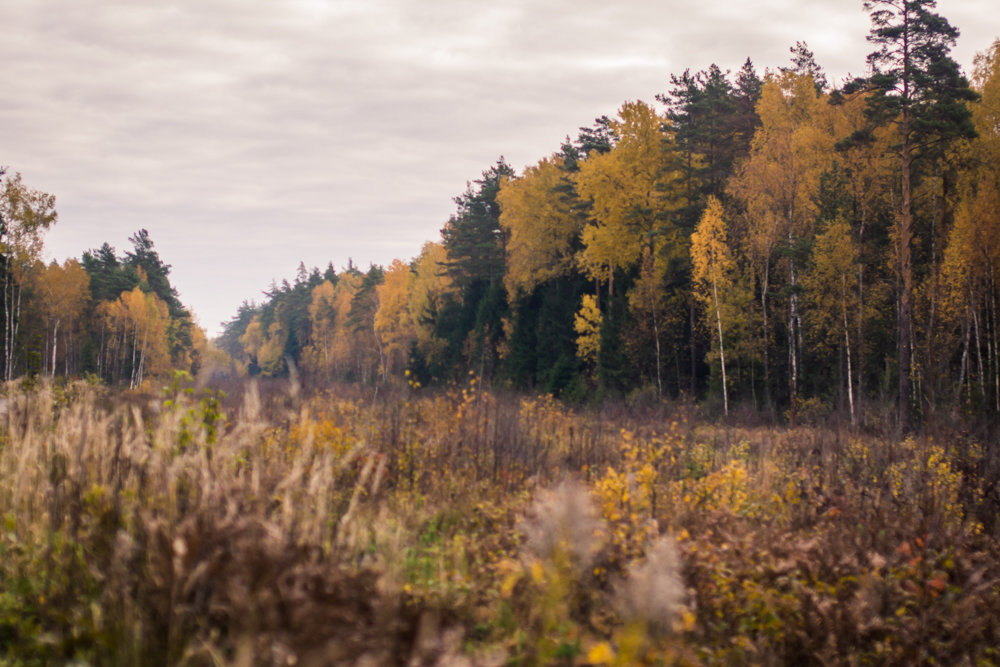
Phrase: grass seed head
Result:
[564,519]
[653,591]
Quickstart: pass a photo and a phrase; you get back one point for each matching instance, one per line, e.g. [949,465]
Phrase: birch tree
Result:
[64,292]
[25,214]
[713,274]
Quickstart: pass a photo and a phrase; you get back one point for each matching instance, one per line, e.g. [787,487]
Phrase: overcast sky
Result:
[250,135]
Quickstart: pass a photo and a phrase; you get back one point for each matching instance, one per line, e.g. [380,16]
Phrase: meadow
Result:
[269,525]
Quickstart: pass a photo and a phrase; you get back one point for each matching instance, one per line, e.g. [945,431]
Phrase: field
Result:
[466,527]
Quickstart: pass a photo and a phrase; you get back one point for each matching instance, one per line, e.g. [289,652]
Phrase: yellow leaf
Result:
[537,571]
[509,582]
[601,654]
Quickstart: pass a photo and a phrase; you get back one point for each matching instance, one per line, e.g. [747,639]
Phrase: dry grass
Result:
[466,527]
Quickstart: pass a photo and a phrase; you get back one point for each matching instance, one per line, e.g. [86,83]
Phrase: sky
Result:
[248,136]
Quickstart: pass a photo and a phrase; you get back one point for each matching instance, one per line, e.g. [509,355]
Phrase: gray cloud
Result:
[249,135]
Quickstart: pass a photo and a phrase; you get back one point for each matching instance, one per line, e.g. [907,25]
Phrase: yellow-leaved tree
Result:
[970,269]
[265,343]
[25,214]
[968,279]
[317,357]
[430,284]
[393,323]
[64,292]
[540,224]
[587,324]
[777,185]
[713,269]
[627,188]
[343,328]
[870,175]
[830,298]
[136,323]
[648,300]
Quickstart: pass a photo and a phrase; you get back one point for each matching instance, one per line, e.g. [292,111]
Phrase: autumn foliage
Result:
[469,527]
[713,384]
[741,248]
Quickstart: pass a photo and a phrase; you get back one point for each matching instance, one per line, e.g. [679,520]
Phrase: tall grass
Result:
[469,527]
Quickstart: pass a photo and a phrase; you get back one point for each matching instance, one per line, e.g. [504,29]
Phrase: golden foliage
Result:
[587,324]
[318,355]
[628,189]
[541,228]
[137,326]
[393,320]
[711,255]
[489,529]
[428,288]
[65,291]
[831,295]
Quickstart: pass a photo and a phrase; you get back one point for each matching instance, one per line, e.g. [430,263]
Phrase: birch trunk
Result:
[722,351]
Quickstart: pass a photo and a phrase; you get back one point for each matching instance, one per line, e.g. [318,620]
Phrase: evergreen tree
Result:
[473,236]
[918,89]
[475,245]
[804,63]
[232,330]
[108,276]
[712,122]
[746,93]
[143,256]
[600,138]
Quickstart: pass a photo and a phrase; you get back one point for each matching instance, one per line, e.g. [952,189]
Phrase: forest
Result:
[115,318]
[717,383]
[774,244]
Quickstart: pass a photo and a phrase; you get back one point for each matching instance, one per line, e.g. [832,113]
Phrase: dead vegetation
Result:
[466,527]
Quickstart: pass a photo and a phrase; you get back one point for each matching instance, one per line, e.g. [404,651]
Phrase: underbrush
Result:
[467,527]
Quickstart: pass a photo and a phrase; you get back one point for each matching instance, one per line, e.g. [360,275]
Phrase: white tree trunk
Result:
[55,339]
[722,351]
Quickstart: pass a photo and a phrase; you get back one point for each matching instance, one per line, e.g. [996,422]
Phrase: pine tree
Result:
[475,244]
[918,89]
[804,63]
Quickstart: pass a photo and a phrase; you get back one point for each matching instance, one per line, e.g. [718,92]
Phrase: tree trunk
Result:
[135,362]
[905,229]
[13,336]
[861,334]
[930,366]
[996,341]
[793,323]
[381,357]
[8,344]
[142,356]
[767,361]
[964,365]
[6,319]
[69,349]
[692,342]
[793,357]
[722,351]
[656,336]
[10,322]
[847,346]
[979,356]
[55,340]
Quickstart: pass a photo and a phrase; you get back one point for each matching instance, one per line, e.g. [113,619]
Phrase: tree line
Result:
[774,241]
[809,236]
[112,317]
